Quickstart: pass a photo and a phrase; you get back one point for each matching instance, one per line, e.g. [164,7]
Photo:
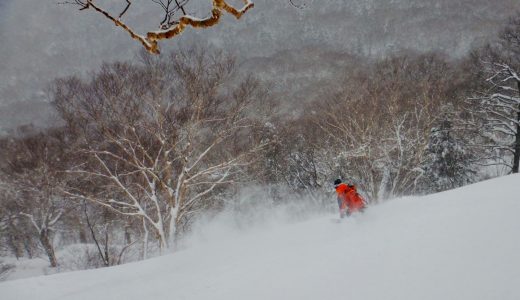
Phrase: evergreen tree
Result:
[448,164]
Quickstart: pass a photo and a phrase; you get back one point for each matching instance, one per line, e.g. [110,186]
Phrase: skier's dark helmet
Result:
[337,182]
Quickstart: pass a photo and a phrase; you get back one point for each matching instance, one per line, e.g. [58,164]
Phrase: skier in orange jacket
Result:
[349,201]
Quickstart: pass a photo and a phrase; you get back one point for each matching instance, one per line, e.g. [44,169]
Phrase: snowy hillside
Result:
[462,244]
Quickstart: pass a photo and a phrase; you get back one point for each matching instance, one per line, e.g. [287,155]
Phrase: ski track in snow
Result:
[460,244]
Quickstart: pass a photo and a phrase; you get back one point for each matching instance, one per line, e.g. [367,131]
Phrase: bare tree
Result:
[297,158]
[496,107]
[159,139]
[170,24]
[379,123]
[32,174]
[102,224]
[16,233]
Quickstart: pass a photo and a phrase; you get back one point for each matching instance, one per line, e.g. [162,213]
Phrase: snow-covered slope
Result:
[461,244]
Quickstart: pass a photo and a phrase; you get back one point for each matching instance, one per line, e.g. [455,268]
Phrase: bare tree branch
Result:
[170,28]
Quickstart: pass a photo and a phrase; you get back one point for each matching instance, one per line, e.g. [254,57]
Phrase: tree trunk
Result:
[174,213]
[383,193]
[93,234]
[16,245]
[49,249]
[161,236]
[17,241]
[107,256]
[145,240]
[128,236]
[516,156]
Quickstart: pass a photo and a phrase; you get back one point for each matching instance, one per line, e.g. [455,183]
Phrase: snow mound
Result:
[460,244]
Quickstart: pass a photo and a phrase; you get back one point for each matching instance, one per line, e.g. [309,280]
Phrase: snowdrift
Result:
[460,244]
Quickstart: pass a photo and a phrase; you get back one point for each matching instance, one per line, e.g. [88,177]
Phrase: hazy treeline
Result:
[56,37]
[146,147]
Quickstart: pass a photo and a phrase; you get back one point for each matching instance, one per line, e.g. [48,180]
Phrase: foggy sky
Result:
[40,40]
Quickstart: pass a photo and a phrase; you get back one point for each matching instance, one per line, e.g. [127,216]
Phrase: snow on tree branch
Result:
[498,105]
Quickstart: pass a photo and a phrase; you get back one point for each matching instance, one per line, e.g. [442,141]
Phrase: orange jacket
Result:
[349,197]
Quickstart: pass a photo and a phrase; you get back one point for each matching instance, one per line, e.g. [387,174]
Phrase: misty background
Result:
[295,49]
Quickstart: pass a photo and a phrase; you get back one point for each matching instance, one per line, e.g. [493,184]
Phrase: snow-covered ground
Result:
[461,244]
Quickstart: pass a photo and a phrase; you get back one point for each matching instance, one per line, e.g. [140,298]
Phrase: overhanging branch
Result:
[150,42]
